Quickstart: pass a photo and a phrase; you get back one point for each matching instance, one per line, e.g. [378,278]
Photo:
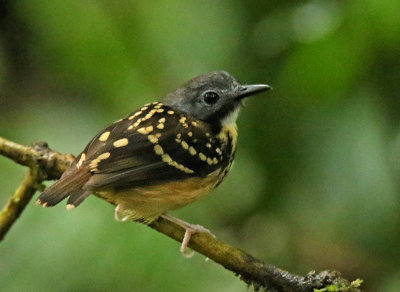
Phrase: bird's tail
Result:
[70,185]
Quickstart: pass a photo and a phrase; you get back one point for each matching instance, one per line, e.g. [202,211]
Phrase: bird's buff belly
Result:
[147,203]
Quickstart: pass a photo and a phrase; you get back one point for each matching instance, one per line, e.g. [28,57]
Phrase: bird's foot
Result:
[120,214]
[190,229]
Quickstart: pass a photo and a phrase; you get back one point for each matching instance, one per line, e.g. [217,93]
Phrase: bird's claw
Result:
[191,229]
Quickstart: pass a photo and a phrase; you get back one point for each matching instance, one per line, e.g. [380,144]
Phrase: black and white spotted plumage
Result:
[187,141]
[162,156]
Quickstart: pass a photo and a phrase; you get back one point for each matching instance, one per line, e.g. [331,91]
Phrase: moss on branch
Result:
[45,163]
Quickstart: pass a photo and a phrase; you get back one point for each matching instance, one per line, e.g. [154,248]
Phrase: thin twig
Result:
[17,203]
[251,270]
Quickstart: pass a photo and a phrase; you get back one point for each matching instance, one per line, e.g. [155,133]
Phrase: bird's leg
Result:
[119,214]
[189,230]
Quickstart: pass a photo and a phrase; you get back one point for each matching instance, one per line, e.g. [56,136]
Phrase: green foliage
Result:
[352,287]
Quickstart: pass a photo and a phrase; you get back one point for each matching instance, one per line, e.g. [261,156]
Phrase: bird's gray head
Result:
[214,97]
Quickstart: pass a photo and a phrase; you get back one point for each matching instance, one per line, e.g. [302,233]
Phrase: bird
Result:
[162,156]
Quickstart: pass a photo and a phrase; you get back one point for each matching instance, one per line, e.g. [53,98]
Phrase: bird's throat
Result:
[230,119]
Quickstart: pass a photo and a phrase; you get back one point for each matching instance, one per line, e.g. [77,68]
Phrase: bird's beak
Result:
[248,90]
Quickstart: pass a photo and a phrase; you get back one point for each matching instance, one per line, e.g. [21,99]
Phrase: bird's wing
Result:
[155,144]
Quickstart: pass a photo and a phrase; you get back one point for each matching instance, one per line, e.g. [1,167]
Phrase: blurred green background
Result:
[316,180]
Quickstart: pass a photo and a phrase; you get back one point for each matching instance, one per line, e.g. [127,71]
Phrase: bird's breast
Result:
[149,202]
[228,138]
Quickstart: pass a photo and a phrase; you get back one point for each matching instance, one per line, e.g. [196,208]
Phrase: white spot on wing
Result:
[121,142]
[192,151]
[103,156]
[185,145]
[166,158]
[153,139]
[95,162]
[146,130]
[158,150]
[202,156]
[135,115]
[104,136]
[81,160]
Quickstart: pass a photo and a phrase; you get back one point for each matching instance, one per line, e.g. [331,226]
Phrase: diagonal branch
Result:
[37,156]
[251,270]
[17,203]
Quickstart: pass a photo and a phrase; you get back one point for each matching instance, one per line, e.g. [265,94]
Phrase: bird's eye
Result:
[210,97]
